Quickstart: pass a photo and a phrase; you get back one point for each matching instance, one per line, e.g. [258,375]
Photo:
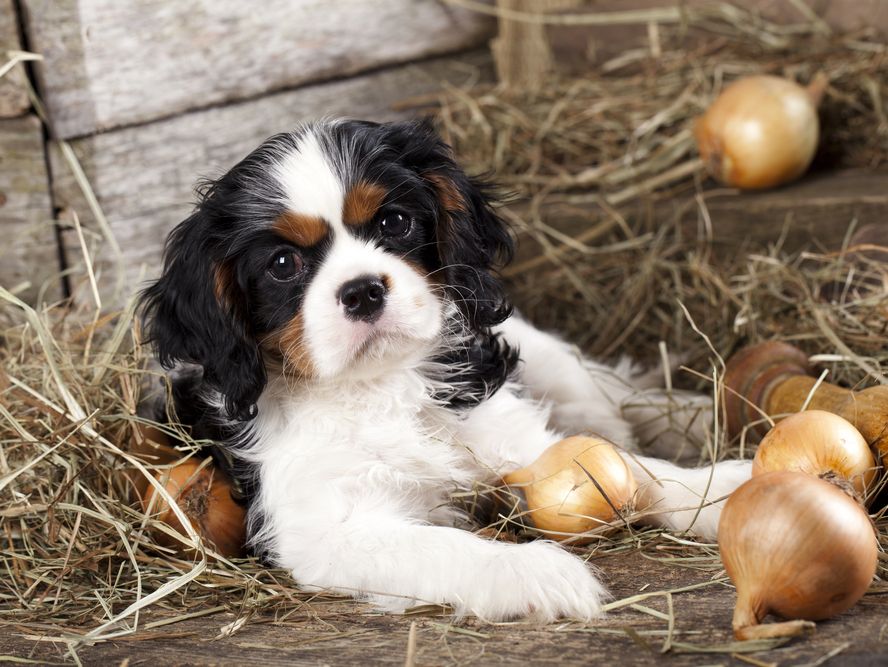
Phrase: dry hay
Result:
[594,142]
[79,561]
[80,564]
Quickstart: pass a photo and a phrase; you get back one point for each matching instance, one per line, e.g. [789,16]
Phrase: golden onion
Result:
[818,443]
[203,493]
[578,484]
[795,546]
[762,131]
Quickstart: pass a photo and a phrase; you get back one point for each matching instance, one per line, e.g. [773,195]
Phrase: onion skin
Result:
[817,442]
[795,546]
[561,499]
[762,131]
[203,493]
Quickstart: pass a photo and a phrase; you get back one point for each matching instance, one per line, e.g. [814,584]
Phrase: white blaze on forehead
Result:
[310,183]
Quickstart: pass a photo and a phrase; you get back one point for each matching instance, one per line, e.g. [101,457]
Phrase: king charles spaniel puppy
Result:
[337,289]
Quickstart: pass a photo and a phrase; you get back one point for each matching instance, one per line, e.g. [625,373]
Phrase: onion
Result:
[796,546]
[818,443]
[203,493]
[762,131]
[577,484]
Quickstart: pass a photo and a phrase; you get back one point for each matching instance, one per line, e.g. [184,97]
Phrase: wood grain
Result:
[13,96]
[28,252]
[144,176]
[110,63]
[815,212]
[577,47]
[327,632]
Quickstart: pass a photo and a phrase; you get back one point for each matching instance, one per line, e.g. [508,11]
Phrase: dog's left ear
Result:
[190,315]
[473,240]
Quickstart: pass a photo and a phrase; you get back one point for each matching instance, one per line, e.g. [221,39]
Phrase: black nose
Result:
[363,298]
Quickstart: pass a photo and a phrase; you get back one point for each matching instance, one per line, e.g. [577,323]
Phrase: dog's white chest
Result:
[357,444]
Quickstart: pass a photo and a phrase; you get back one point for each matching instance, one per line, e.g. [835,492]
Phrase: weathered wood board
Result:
[13,96]
[350,633]
[28,252]
[577,46]
[144,176]
[110,63]
[815,213]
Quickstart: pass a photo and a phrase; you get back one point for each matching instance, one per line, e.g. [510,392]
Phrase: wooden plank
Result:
[143,176]
[29,250]
[326,632]
[578,47]
[815,212]
[13,96]
[110,63]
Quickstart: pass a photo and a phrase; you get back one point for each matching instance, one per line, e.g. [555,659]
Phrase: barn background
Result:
[140,98]
[147,96]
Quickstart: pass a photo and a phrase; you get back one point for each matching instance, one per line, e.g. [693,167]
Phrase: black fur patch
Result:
[475,372]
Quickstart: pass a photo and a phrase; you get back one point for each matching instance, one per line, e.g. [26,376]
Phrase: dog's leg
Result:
[625,406]
[585,395]
[684,499]
[556,371]
[398,563]
[671,424]
[507,431]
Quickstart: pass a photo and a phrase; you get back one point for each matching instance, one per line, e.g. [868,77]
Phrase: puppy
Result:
[337,289]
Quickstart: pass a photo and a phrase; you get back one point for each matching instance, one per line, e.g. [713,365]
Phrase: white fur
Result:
[356,472]
[310,183]
[409,324]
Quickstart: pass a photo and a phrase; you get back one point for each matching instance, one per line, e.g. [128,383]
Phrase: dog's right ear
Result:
[195,312]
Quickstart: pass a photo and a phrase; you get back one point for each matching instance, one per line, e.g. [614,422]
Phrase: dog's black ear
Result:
[195,313]
[472,239]
[473,242]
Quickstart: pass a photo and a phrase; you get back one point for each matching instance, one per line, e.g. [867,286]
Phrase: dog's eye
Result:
[285,265]
[395,224]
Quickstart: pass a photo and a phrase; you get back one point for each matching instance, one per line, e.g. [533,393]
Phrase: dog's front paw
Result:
[540,581]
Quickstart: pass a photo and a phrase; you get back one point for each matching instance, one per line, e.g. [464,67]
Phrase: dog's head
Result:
[340,248]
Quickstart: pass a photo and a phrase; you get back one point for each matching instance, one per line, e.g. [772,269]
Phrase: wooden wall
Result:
[153,94]
[111,63]
[29,261]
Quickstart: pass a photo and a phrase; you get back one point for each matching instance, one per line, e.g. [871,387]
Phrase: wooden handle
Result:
[750,378]
[775,378]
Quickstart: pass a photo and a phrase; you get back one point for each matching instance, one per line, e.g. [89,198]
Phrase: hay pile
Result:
[79,562]
[622,134]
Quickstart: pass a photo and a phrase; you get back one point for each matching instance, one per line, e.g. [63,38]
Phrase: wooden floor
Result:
[346,633]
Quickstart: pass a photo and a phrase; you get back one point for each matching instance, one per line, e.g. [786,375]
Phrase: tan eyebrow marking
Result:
[448,194]
[223,280]
[362,202]
[303,230]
